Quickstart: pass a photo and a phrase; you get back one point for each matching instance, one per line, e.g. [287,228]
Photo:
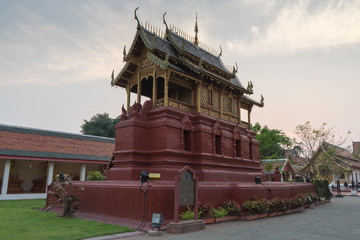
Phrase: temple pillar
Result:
[128,92]
[198,97]
[154,90]
[139,90]
[249,113]
[50,174]
[82,172]
[6,174]
[239,109]
[166,89]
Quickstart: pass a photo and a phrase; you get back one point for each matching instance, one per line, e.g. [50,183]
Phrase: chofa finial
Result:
[220,54]
[165,22]
[262,100]
[235,70]
[136,18]
[196,41]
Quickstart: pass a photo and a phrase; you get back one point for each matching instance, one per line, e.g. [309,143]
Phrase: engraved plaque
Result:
[186,189]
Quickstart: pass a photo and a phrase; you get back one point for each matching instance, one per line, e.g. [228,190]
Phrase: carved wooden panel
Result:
[215,100]
[146,63]
[204,95]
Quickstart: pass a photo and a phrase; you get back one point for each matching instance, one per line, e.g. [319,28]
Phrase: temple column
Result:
[5,180]
[128,92]
[166,89]
[50,174]
[249,113]
[154,94]
[239,109]
[139,89]
[198,97]
[82,171]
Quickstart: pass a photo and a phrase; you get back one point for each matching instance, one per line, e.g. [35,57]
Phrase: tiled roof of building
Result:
[32,143]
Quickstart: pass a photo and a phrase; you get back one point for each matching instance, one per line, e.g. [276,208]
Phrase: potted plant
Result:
[271,206]
[206,212]
[251,210]
[262,207]
[232,208]
[188,214]
[220,214]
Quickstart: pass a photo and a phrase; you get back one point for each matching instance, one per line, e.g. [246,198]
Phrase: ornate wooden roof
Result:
[174,52]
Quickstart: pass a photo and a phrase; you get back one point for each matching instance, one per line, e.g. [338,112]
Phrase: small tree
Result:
[66,193]
[312,140]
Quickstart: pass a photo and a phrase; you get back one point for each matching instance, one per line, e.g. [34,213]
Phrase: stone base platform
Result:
[185,226]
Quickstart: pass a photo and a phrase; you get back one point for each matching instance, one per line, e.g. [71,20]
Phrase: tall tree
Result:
[100,125]
[273,142]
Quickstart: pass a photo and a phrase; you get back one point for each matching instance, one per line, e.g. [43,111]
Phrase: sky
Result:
[56,57]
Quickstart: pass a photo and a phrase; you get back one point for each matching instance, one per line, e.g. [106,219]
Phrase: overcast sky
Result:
[56,57]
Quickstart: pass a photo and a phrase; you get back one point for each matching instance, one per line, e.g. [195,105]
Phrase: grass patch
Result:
[22,219]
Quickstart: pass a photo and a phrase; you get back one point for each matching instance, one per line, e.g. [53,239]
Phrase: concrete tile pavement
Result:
[338,219]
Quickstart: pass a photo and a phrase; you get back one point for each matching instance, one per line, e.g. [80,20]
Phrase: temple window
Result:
[237,148]
[250,150]
[181,94]
[186,140]
[218,144]
[160,88]
[211,97]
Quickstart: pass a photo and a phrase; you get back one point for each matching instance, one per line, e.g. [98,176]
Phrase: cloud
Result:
[301,26]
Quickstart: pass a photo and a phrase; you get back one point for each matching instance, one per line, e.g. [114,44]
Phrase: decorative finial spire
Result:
[196,42]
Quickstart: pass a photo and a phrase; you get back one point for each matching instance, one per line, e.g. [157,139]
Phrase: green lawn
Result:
[22,219]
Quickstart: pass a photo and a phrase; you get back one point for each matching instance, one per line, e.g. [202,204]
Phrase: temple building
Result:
[174,71]
[189,134]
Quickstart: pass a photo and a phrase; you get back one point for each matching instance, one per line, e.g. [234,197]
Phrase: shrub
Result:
[188,214]
[250,206]
[66,193]
[278,205]
[232,207]
[206,210]
[262,205]
[301,199]
[322,189]
[95,176]
[220,212]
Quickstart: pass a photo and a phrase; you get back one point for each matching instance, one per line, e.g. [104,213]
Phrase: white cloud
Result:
[298,27]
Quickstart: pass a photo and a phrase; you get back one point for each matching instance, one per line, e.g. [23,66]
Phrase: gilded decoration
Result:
[204,110]
[160,103]
[146,63]
[215,100]
[204,95]
[234,120]
[185,108]
[173,104]
[226,101]
[214,114]
[235,109]
[226,117]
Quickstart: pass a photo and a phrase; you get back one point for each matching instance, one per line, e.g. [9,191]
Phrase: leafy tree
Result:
[312,141]
[273,142]
[100,125]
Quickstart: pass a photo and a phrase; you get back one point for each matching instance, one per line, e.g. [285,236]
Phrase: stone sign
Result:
[186,189]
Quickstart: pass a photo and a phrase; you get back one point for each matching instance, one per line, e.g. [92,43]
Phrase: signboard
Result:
[186,189]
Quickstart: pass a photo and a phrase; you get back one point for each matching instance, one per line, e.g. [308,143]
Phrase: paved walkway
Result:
[339,219]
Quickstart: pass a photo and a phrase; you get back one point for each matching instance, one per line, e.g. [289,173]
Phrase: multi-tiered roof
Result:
[183,58]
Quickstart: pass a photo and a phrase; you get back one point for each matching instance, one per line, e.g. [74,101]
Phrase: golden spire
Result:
[196,42]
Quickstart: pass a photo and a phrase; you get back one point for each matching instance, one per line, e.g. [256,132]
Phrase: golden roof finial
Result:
[196,42]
